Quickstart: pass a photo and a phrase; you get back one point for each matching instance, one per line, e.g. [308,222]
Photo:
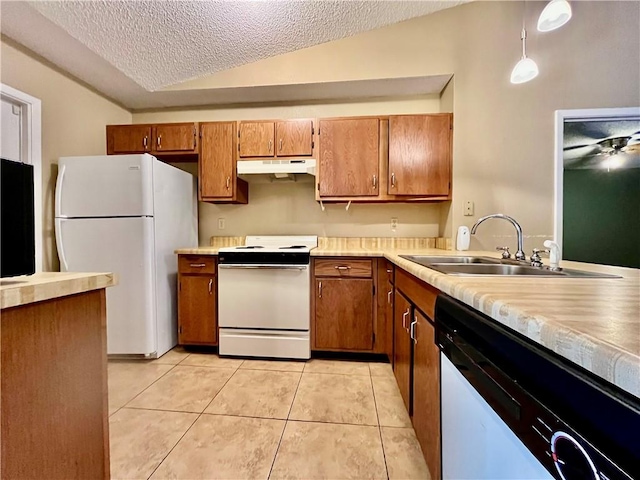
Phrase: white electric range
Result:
[264,290]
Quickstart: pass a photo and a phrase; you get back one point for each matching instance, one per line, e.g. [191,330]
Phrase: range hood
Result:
[277,168]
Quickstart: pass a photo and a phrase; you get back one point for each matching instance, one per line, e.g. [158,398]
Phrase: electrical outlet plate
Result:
[221,224]
[468,208]
[394,224]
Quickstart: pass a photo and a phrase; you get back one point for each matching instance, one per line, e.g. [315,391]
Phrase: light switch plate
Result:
[221,224]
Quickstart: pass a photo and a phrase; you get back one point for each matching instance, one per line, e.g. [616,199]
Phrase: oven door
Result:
[271,297]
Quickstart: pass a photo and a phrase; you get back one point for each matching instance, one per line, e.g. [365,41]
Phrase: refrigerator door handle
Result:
[63,257]
[58,199]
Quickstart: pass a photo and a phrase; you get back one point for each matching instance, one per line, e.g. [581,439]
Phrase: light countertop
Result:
[16,291]
[594,322]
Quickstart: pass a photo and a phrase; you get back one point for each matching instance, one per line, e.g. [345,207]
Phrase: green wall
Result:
[601,217]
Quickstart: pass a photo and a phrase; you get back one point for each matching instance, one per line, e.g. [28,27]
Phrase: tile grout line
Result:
[175,445]
[286,422]
[147,387]
[375,402]
[190,426]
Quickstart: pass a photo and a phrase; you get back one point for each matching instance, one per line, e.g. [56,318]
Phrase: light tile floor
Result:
[199,416]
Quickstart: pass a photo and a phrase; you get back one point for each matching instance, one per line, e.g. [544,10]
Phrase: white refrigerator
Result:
[127,214]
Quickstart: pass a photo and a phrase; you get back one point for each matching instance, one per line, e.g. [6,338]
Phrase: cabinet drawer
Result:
[197,264]
[343,268]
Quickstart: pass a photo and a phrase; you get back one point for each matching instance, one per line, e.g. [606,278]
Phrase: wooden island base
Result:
[54,389]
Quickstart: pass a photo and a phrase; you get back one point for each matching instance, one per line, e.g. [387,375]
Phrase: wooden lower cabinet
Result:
[416,360]
[344,313]
[197,306]
[426,392]
[402,347]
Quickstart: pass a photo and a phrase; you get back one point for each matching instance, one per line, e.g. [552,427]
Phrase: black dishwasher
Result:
[577,425]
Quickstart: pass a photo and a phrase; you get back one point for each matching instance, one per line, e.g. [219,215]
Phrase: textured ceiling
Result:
[127,49]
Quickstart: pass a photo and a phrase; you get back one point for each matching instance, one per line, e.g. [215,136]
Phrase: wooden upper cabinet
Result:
[176,137]
[420,155]
[344,314]
[257,139]
[294,138]
[216,169]
[165,138]
[128,139]
[349,157]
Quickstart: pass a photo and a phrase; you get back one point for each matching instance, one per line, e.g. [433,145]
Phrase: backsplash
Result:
[291,209]
[343,243]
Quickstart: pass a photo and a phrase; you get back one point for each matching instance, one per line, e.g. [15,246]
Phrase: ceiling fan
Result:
[597,153]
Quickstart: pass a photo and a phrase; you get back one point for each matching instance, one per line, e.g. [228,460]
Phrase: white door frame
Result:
[32,148]
[576,115]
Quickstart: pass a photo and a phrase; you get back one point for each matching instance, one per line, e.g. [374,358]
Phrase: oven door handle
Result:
[262,267]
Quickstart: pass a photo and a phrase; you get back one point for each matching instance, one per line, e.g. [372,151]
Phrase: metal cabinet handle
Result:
[228,182]
[412,329]
[375,181]
[270,145]
[319,289]
[159,141]
[389,296]
[210,285]
[144,142]
[280,144]
[404,317]
[197,265]
[393,180]
[342,267]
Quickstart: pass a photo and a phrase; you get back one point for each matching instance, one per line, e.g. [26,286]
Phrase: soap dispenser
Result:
[463,238]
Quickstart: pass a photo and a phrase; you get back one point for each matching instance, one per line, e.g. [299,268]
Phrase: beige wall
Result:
[73,122]
[503,133]
[290,208]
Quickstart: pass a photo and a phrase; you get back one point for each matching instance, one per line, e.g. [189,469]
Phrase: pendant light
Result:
[554,15]
[526,69]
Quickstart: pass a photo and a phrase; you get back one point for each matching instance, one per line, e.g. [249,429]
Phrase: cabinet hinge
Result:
[318,130]
[238,147]
[374,338]
[374,290]
[318,186]
[313,144]
[311,128]
[179,286]
[180,329]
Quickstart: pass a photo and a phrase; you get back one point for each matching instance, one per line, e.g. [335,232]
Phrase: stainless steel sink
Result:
[428,260]
[483,266]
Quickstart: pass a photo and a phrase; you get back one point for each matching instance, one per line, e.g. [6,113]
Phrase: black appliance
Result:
[17,228]
[579,426]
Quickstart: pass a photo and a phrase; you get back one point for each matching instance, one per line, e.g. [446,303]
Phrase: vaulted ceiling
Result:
[131,50]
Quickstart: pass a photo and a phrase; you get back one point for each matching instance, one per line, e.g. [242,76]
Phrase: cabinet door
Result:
[294,138]
[216,169]
[419,154]
[344,314]
[176,137]
[197,323]
[349,161]
[128,139]
[256,139]
[426,392]
[402,347]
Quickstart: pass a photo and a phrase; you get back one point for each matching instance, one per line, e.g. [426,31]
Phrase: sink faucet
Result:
[520,253]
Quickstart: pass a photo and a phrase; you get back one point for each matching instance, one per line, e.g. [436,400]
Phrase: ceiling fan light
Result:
[525,70]
[554,15]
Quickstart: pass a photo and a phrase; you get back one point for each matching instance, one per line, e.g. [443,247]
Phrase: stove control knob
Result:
[571,459]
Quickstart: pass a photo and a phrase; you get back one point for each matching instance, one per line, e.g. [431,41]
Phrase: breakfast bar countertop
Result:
[23,290]
[594,322]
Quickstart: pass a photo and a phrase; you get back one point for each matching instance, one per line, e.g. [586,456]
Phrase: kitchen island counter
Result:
[54,376]
[23,290]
